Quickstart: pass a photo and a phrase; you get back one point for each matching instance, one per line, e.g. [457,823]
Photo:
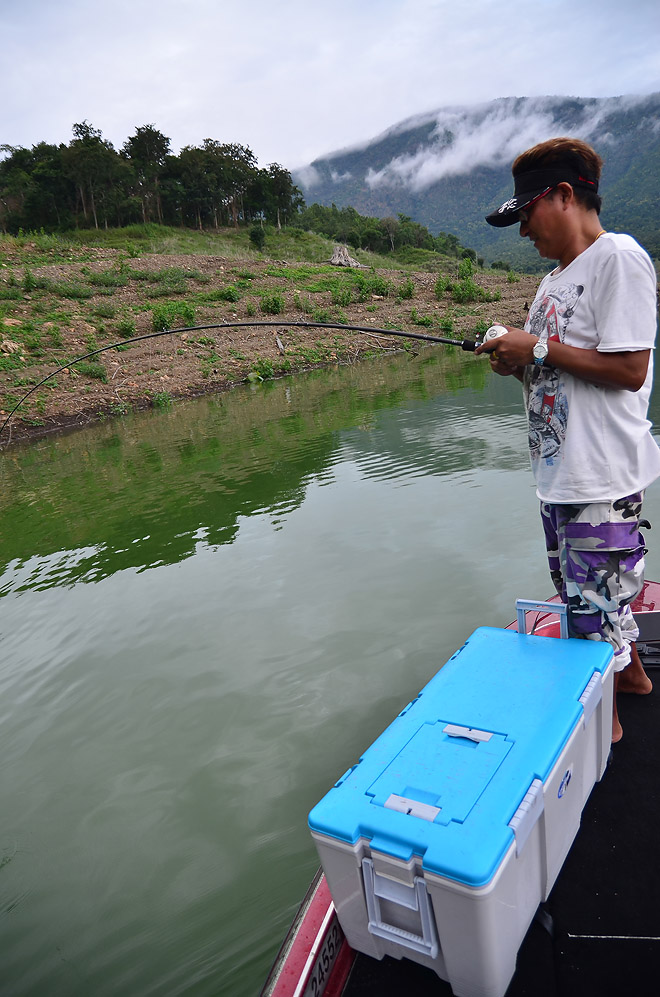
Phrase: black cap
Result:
[531,185]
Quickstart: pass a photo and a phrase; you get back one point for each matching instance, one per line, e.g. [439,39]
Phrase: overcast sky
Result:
[297,79]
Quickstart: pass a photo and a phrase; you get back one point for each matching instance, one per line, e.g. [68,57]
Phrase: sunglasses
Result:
[524,213]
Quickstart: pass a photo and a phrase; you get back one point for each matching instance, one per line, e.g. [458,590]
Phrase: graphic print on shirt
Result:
[547,405]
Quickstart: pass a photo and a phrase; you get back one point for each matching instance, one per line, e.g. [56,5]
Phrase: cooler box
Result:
[439,844]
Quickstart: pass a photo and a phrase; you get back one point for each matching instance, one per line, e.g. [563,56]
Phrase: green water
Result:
[206,615]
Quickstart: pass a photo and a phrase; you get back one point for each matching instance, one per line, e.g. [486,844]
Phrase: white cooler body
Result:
[394,900]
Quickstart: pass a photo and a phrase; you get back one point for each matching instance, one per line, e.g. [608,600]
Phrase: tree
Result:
[194,184]
[147,153]
[16,186]
[233,168]
[92,163]
[391,227]
[283,197]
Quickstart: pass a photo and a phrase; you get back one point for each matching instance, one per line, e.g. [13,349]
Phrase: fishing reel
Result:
[494,332]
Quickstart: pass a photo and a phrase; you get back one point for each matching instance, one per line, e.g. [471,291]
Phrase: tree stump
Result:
[341,258]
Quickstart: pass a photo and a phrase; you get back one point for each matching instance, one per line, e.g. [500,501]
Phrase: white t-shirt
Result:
[590,443]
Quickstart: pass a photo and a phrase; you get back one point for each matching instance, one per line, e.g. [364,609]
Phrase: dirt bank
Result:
[54,312]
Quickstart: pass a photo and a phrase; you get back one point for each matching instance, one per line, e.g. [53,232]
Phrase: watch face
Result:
[540,350]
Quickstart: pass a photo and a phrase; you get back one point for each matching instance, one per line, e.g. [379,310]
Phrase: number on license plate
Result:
[324,962]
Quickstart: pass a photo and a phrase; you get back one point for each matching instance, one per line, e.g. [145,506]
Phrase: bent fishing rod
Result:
[465,344]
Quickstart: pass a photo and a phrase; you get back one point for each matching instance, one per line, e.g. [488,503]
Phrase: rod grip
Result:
[470,345]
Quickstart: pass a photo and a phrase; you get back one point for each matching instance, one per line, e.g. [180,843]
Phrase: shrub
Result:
[229,293]
[29,281]
[378,285]
[166,315]
[465,268]
[104,310]
[126,327]
[162,399]
[69,289]
[92,369]
[425,320]
[341,296]
[406,290]
[257,237]
[465,291]
[9,293]
[108,278]
[263,367]
[442,285]
[272,303]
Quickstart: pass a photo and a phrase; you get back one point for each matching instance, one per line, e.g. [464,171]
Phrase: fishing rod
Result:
[465,344]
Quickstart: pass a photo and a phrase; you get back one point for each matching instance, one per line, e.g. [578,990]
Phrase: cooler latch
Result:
[408,904]
[404,805]
[455,730]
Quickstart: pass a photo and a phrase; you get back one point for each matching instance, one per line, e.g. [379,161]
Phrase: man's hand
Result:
[511,353]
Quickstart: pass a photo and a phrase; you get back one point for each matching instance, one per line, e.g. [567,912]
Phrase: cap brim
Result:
[507,213]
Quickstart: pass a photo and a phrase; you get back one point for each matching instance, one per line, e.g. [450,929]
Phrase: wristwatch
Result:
[540,351]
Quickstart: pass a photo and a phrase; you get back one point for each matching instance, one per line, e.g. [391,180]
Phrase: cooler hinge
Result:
[527,814]
[591,697]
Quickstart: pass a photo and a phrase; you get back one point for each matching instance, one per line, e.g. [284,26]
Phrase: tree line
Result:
[379,235]
[87,183]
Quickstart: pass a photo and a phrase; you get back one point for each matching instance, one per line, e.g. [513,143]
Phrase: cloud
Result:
[307,177]
[296,80]
[488,135]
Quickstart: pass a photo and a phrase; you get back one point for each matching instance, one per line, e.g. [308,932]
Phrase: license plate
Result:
[325,960]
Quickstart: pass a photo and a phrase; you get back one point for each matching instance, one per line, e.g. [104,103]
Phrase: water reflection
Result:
[145,492]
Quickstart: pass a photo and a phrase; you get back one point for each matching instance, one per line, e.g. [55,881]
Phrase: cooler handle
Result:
[416,898]
[529,605]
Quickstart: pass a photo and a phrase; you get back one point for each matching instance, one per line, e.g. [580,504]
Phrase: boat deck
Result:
[599,932]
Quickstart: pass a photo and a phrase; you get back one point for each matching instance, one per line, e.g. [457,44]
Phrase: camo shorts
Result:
[596,559]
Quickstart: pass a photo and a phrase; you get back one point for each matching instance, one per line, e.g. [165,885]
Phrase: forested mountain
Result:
[448,168]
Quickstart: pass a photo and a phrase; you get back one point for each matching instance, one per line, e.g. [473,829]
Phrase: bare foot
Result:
[617,729]
[633,678]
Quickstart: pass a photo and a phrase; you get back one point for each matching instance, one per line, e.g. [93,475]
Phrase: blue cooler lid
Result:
[446,777]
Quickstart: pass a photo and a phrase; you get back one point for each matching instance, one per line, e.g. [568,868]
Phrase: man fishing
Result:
[585,361]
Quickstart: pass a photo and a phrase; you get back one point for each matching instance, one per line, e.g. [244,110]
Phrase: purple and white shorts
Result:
[596,559]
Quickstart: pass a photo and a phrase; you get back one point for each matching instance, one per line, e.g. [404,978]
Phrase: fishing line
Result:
[465,344]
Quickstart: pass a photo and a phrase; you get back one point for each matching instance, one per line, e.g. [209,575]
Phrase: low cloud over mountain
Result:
[447,168]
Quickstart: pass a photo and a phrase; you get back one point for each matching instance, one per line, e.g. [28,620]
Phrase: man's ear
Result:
[566,193]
